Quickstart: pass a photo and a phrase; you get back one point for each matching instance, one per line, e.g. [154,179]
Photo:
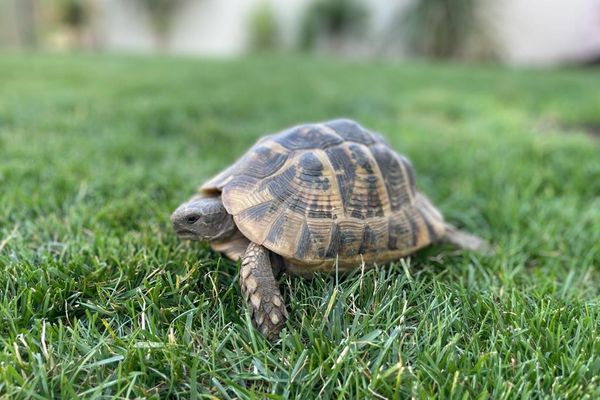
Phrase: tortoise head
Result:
[204,219]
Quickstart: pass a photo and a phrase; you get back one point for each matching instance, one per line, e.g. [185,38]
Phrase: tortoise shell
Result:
[320,193]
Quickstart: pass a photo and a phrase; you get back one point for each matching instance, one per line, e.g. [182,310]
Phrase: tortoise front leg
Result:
[261,292]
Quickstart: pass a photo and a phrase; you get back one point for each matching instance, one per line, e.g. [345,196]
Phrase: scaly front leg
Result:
[261,292]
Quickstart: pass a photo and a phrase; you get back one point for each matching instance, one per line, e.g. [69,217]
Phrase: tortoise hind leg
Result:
[465,240]
[261,292]
[441,231]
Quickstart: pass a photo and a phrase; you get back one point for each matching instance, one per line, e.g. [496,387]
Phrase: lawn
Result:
[99,298]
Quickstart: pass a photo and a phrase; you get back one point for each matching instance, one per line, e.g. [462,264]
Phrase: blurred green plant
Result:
[263,28]
[332,21]
[73,13]
[446,29]
[68,22]
[161,15]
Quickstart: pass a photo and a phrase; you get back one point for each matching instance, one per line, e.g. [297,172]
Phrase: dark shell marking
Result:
[320,191]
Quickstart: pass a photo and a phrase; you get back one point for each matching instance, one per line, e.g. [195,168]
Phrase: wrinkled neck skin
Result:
[203,219]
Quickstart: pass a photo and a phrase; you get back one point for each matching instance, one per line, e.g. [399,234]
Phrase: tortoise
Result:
[311,198]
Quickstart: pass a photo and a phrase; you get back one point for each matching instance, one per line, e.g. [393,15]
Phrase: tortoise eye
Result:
[191,219]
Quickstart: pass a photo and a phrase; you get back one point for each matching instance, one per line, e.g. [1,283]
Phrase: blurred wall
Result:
[219,27]
[206,27]
[527,32]
[538,32]
[125,26]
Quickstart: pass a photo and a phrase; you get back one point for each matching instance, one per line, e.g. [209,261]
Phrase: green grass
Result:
[98,298]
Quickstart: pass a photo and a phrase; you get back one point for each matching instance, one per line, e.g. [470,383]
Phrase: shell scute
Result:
[401,232]
[309,136]
[262,160]
[367,194]
[351,131]
[396,175]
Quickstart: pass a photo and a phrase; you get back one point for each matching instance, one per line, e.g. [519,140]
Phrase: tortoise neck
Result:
[226,235]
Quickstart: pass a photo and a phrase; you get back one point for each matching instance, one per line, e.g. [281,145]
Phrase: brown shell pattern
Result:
[320,192]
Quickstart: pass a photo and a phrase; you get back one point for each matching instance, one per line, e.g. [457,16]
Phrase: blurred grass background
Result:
[98,298]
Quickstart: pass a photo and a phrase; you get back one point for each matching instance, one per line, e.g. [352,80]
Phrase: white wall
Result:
[535,32]
[124,26]
[213,27]
[289,17]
